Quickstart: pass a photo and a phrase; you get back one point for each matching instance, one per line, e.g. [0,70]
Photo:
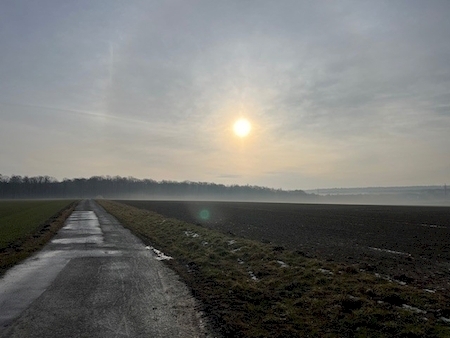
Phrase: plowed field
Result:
[408,244]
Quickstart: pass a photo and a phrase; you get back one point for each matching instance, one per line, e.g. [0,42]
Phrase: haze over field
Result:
[334,94]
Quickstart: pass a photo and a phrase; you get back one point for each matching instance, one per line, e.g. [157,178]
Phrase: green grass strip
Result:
[25,226]
[252,289]
[19,219]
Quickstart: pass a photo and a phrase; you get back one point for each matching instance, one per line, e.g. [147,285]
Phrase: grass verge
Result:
[252,289]
[26,226]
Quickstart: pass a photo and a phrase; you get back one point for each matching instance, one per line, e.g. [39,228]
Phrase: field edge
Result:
[23,248]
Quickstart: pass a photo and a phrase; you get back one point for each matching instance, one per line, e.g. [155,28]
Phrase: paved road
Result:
[95,279]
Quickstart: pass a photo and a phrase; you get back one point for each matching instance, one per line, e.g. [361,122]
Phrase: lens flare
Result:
[204,214]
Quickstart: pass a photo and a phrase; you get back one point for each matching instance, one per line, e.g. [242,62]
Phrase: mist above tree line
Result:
[24,187]
[129,187]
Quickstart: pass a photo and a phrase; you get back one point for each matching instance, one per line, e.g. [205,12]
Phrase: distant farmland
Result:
[409,244]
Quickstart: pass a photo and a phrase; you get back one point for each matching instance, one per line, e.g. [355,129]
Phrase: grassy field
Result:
[25,226]
[252,289]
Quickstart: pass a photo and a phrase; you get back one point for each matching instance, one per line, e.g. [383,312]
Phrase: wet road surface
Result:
[95,279]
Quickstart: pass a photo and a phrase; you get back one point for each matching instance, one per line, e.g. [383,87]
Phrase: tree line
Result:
[18,187]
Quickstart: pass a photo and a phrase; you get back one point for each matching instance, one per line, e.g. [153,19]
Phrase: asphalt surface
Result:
[96,279]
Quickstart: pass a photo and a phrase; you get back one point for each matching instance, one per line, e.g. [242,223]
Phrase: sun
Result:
[242,127]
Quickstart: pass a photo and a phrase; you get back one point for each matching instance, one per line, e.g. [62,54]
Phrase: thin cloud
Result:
[152,88]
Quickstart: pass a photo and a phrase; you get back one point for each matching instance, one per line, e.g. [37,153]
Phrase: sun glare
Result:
[242,127]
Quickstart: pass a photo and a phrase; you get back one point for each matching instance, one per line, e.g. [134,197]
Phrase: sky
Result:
[338,93]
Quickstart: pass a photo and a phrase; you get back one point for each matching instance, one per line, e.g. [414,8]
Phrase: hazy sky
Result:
[339,93]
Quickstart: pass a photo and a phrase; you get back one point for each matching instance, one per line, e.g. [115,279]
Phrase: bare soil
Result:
[410,244]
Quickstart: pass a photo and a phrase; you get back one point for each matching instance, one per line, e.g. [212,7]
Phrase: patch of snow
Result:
[390,251]
[390,279]
[252,276]
[160,256]
[446,320]
[326,272]
[413,309]
[191,234]
[283,264]
[429,290]
[231,242]
[205,243]
[399,282]
[240,261]
[433,226]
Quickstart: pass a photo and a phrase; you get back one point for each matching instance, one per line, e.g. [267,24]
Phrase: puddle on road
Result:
[86,226]
[45,256]
[82,227]
[82,215]
[79,240]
